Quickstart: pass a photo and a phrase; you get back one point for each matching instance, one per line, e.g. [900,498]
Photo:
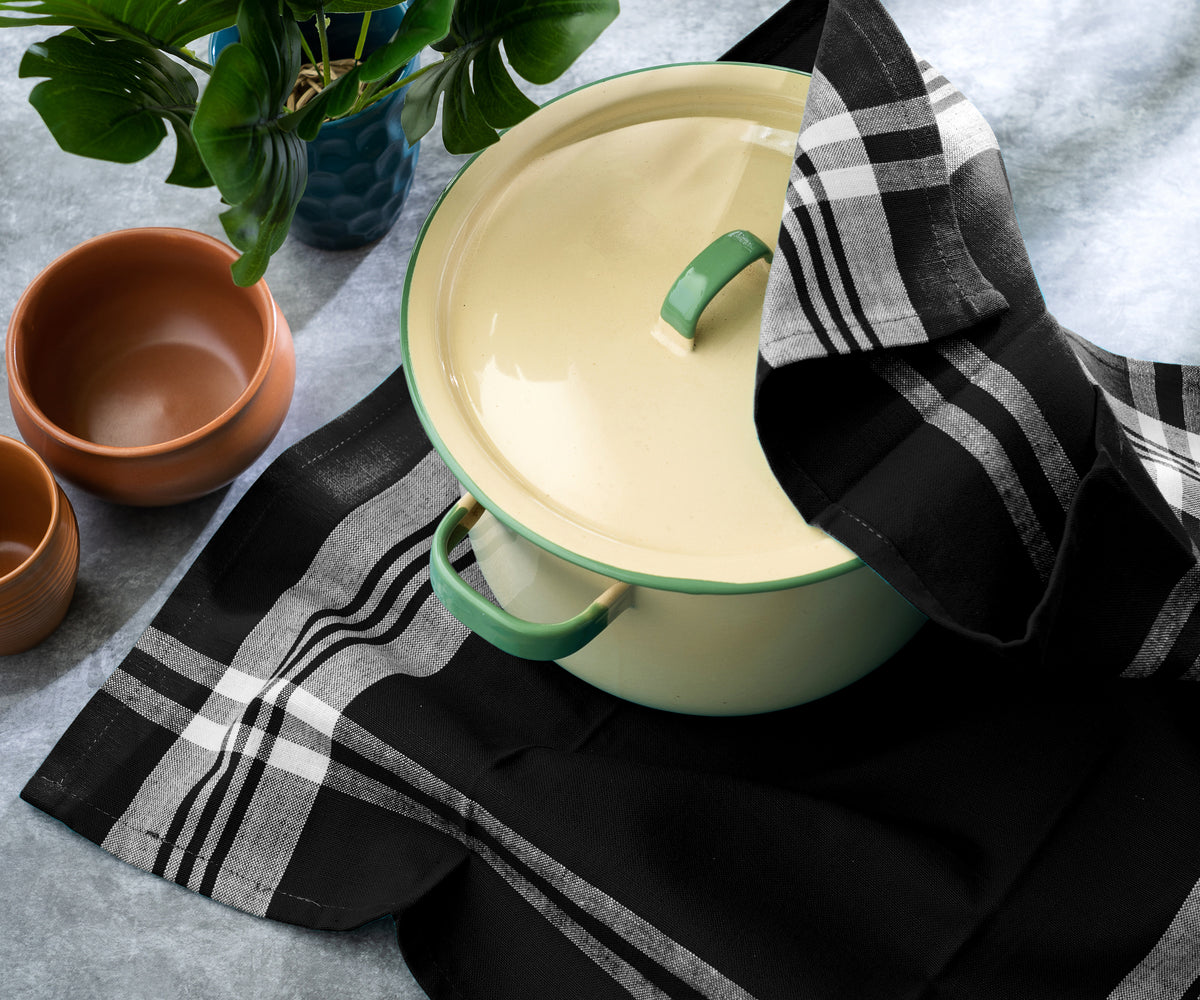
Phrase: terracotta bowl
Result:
[39,549]
[139,371]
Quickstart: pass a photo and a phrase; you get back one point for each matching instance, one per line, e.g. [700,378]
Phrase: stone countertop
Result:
[1093,106]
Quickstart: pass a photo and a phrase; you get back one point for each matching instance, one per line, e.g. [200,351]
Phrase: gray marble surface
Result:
[1093,104]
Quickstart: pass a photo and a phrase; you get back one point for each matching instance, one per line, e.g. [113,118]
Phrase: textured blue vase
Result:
[359,172]
[360,169]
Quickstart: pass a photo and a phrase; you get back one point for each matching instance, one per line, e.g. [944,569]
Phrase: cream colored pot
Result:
[580,332]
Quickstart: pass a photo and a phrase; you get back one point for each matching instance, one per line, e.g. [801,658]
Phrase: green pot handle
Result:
[531,640]
[711,270]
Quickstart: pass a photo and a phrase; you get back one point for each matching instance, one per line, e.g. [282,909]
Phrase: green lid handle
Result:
[713,268]
[531,640]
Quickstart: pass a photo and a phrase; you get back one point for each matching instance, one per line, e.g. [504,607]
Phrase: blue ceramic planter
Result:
[360,169]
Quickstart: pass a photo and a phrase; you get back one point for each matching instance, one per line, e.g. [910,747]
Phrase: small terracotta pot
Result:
[39,549]
[139,371]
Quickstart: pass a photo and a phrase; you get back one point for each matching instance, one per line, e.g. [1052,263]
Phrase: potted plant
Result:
[122,73]
[360,166]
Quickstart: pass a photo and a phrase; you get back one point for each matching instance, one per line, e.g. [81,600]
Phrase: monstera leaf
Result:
[541,39]
[164,24]
[110,90]
[112,100]
[259,166]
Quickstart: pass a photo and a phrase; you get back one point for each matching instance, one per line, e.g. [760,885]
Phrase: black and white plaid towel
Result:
[1008,808]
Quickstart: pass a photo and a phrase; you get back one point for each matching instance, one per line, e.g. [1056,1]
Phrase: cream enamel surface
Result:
[533,311]
[706,654]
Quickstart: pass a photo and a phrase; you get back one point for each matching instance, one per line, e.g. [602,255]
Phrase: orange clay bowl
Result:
[39,549]
[140,372]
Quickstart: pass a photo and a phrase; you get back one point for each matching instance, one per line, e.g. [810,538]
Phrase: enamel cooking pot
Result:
[580,332]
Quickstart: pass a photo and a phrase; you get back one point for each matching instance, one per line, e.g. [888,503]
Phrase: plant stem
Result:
[179,52]
[312,60]
[362,36]
[325,72]
[365,100]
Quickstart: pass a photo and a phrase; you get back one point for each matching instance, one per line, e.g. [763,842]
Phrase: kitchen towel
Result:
[1007,808]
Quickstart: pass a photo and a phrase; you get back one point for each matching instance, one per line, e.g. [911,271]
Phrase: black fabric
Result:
[1005,809]
[789,37]
[952,446]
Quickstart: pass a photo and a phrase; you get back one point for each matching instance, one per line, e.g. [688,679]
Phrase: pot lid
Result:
[560,350]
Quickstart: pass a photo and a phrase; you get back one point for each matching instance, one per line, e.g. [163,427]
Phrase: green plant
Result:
[122,73]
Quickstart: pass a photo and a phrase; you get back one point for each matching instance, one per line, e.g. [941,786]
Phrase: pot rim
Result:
[16,375]
[220,40]
[669,583]
[56,498]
